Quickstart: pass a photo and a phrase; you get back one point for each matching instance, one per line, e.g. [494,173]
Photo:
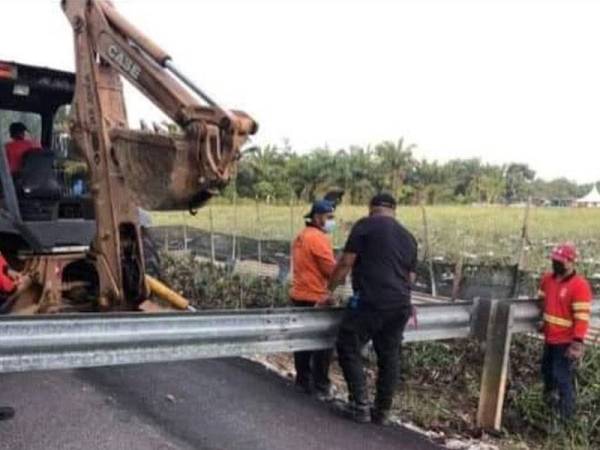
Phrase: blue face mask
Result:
[329,226]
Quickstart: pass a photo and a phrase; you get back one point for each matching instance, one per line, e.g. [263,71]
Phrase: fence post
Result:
[185,237]
[212,235]
[235,226]
[259,234]
[457,277]
[522,253]
[497,320]
[290,259]
[428,254]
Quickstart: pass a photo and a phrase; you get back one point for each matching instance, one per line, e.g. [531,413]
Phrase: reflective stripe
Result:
[554,320]
[581,306]
[582,316]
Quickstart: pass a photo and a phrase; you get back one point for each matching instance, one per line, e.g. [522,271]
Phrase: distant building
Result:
[561,202]
[591,200]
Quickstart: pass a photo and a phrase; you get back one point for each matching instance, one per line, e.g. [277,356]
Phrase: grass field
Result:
[480,233]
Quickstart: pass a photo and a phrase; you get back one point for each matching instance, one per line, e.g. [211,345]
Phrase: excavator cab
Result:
[40,212]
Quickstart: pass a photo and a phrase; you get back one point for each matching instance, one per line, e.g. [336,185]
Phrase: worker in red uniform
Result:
[313,262]
[19,146]
[9,282]
[567,300]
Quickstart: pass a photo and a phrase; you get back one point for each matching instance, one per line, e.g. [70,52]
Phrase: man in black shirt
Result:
[382,255]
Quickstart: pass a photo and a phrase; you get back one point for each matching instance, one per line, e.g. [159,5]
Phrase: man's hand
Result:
[14,274]
[329,300]
[22,281]
[575,351]
[541,326]
[342,269]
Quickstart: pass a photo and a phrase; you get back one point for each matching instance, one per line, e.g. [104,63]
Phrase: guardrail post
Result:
[495,366]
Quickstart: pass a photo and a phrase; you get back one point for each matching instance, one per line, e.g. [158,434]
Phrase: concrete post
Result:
[495,365]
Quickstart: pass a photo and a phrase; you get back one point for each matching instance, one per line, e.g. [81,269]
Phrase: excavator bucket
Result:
[167,172]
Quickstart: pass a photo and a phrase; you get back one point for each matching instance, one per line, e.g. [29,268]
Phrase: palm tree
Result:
[395,160]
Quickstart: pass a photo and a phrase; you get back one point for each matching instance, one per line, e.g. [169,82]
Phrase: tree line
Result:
[278,173]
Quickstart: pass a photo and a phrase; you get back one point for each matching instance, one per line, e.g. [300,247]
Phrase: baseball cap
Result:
[385,200]
[564,253]
[320,207]
[17,127]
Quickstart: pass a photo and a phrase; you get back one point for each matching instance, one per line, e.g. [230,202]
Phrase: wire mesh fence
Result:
[464,251]
[271,258]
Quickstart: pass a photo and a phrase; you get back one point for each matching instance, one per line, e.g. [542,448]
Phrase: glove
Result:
[575,351]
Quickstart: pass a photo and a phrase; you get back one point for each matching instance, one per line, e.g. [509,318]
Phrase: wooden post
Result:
[428,255]
[522,252]
[495,366]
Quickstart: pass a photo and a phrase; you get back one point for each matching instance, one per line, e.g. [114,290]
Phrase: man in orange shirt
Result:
[567,301]
[313,262]
[18,146]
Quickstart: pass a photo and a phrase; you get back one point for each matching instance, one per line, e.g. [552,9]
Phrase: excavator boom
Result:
[131,168]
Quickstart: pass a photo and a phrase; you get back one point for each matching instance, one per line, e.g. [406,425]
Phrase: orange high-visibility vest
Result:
[567,308]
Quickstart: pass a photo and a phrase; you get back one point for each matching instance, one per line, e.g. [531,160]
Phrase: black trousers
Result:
[385,328]
[312,367]
[559,379]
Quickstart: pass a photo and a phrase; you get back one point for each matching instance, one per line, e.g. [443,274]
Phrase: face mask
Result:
[558,268]
[329,226]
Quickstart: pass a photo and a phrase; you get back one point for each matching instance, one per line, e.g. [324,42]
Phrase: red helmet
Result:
[564,253]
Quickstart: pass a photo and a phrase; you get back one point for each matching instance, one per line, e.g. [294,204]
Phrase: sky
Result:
[500,80]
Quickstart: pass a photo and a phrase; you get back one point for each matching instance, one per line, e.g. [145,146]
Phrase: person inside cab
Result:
[19,145]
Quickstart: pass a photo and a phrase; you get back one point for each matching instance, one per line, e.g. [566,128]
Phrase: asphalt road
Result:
[210,404]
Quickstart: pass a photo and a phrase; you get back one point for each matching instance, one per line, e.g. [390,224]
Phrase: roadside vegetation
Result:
[440,380]
[441,392]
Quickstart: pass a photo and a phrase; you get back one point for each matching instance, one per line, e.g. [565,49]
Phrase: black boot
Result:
[303,386]
[325,394]
[380,416]
[353,411]
[6,412]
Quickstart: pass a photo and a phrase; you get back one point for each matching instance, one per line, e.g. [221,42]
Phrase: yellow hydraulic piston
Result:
[167,294]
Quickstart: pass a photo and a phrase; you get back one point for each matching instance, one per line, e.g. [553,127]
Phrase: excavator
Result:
[82,249]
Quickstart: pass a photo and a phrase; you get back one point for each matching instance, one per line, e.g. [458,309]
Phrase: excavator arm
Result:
[130,168]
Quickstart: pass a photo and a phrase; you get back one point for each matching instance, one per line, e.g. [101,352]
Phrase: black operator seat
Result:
[37,178]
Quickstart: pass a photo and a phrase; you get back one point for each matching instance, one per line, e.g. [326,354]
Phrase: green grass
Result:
[479,233]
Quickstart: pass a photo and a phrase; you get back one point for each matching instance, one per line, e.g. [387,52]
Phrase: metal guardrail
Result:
[90,340]
[30,343]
